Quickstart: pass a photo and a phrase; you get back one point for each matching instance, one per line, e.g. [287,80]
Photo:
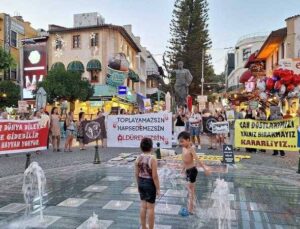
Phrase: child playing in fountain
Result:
[189,167]
[148,182]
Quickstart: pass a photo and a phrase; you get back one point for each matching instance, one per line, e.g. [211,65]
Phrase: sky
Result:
[228,19]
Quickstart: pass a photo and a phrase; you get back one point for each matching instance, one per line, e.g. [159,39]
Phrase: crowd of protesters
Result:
[184,120]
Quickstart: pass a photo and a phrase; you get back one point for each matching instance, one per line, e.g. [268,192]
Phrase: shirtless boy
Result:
[189,167]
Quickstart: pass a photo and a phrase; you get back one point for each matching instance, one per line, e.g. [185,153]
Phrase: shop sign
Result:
[7,29]
[96,103]
[35,66]
[228,154]
[290,64]
[17,27]
[202,98]
[116,78]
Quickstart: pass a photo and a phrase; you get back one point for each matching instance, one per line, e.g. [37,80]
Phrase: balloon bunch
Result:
[283,83]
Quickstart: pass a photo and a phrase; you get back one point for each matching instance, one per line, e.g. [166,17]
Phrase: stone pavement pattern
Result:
[260,197]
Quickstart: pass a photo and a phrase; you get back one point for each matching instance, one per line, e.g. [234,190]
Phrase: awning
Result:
[245,76]
[251,60]
[133,76]
[58,65]
[75,66]
[93,65]
[273,41]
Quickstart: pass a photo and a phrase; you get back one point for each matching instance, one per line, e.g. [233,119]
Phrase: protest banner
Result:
[279,134]
[22,136]
[93,130]
[208,124]
[220,127]
[129,130]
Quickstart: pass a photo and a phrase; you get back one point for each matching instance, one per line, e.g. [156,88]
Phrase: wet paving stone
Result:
[75,193]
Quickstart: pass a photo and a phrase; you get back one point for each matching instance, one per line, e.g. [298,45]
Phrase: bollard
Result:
[28,155]
[97,157]
[158,154]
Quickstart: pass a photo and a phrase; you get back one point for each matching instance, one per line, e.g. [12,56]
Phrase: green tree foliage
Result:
[189,39]
[6,60]
[9,94]
[68,85]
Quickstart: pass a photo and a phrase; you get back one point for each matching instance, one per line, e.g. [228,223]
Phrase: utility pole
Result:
[202,71]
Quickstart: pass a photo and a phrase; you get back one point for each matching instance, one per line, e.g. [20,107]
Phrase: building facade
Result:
[88,47]
[12,31]
[282,46]
[244,48]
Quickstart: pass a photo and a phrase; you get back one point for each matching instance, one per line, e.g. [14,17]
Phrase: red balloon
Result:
[296,79]
[270,84]
[290,87]
[277,85]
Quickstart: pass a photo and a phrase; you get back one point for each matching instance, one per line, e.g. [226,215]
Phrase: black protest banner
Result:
[93,130]
[208,124]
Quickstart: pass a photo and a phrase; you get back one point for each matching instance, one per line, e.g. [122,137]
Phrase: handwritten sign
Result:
[220,127]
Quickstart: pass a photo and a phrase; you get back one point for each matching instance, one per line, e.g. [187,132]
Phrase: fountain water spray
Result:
[221,204]
[34,184]
[93,222]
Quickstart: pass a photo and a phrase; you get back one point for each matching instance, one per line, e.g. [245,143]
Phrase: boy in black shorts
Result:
[189,167]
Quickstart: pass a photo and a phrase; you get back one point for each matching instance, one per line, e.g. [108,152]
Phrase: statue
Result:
[183,81]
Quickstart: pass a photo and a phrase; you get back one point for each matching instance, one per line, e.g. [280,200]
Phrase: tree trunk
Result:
[72,106]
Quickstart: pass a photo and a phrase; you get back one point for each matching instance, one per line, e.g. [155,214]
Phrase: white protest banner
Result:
[129,130]
[220,127]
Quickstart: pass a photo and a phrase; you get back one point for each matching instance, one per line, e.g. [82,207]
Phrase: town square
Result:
[163,114]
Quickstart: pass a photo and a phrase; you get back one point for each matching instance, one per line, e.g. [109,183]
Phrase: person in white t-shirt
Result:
[195,121]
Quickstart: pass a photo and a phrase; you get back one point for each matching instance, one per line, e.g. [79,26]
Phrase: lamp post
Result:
[202,71]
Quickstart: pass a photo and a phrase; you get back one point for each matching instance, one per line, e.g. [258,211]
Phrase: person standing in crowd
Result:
[80,130]
[237,115]
[195,122]
[287,115]
[70,124]
[276,115]
[220,137]
[179,121]
[103,136]
[36,115]
[4,115]
[250,115]
[55,129]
